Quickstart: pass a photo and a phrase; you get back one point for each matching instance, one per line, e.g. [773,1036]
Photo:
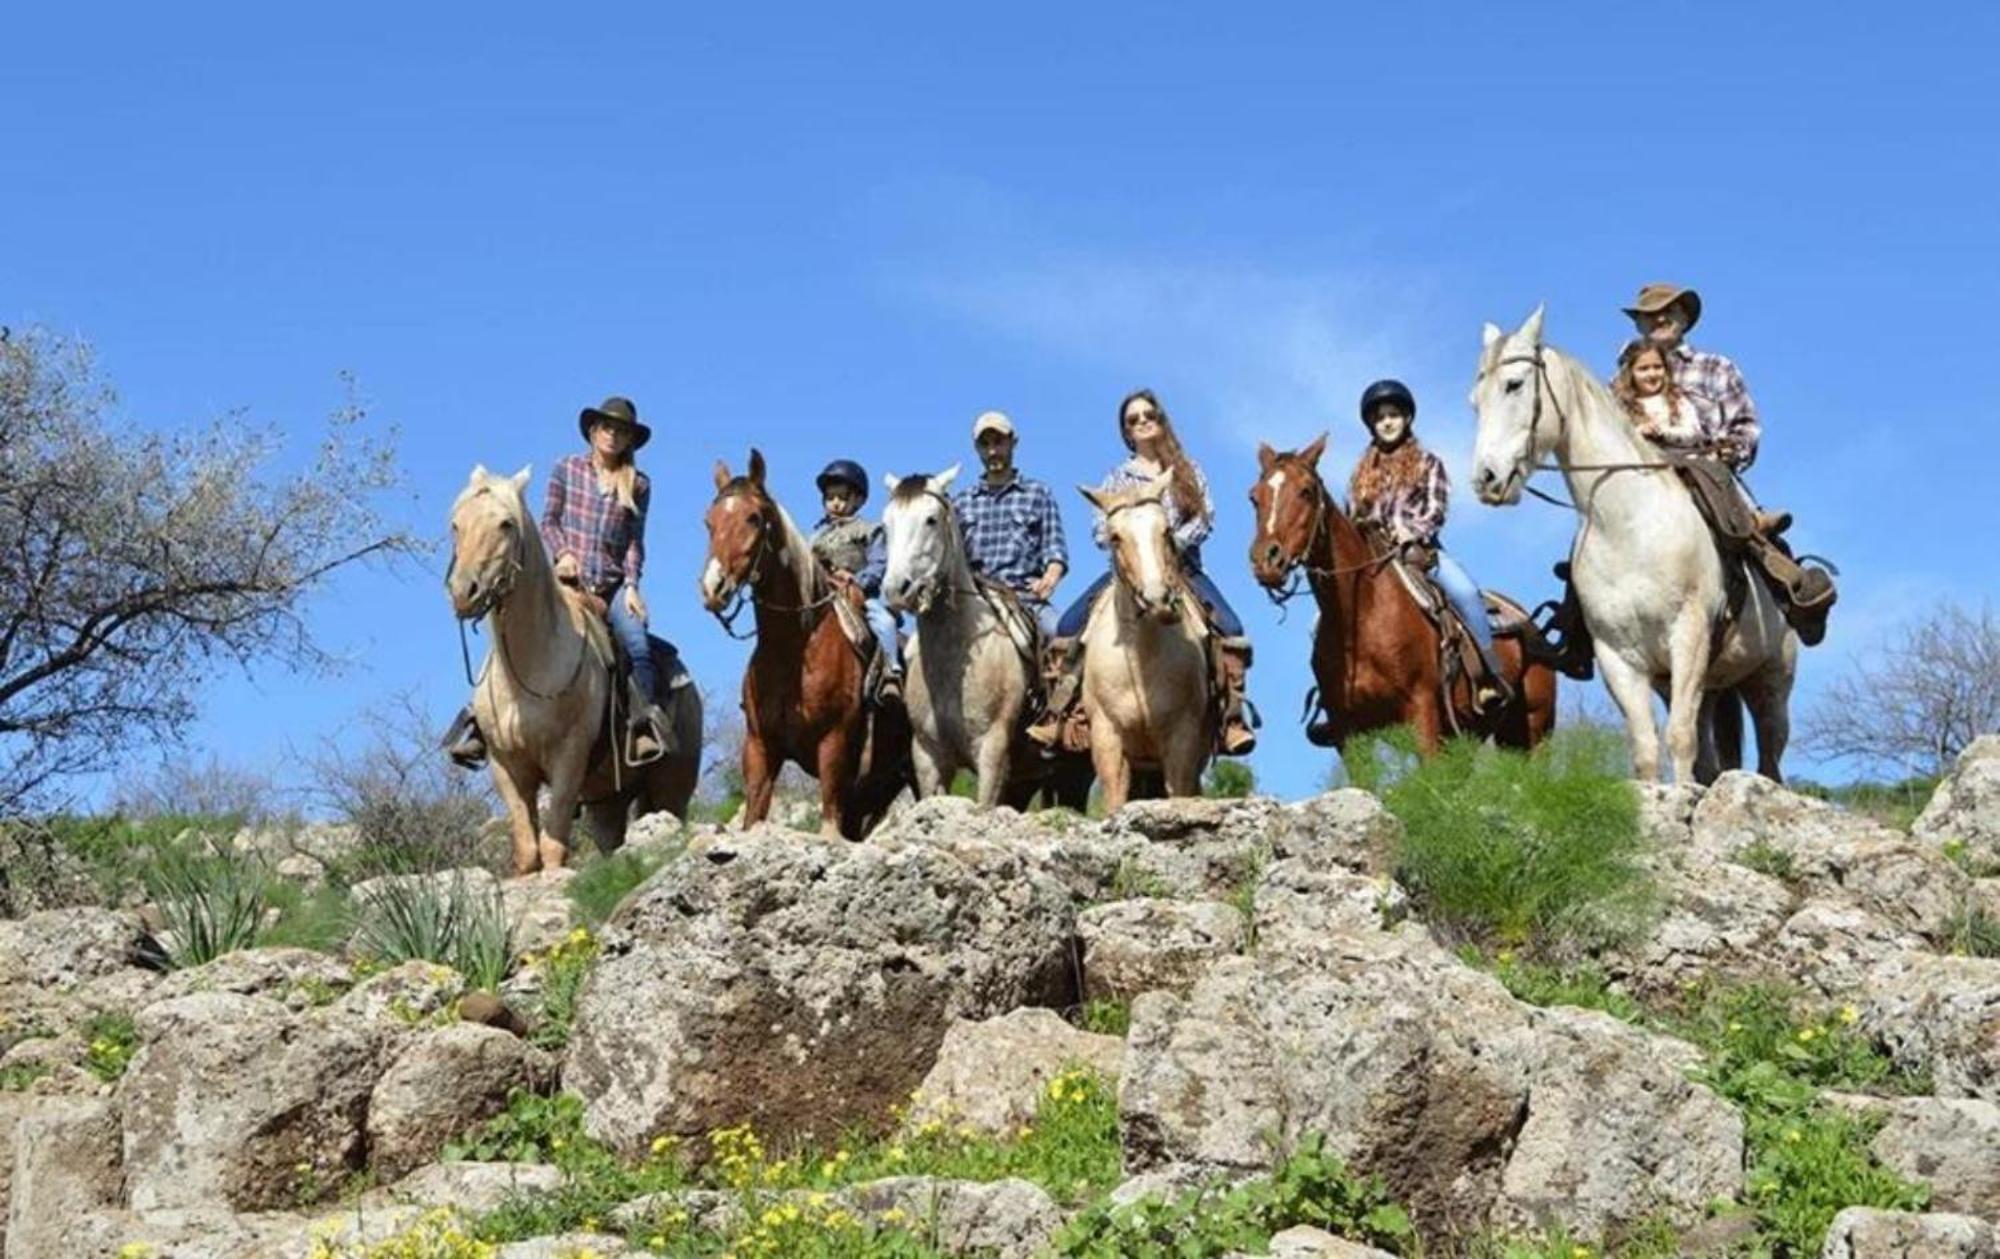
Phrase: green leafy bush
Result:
[1311,1187]
[112,1041]
[320,919]
[1106,1018]
[563,969]
[213,901]
[1511,850]
[1584,984]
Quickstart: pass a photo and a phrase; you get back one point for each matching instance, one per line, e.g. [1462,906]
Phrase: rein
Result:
[1299,574]
[1543,386]
[745,594]
[501,591]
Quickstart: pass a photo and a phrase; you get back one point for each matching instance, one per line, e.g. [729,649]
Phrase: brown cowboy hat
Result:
[615,410]
[1655,298]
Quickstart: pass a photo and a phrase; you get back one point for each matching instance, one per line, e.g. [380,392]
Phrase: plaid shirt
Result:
[1412,512]
[1013,531]
[855,546]
[1188,533]
[1715,381]
[609,543]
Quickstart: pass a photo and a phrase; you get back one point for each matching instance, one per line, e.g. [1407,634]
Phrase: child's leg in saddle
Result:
[1463,592]
[883,622]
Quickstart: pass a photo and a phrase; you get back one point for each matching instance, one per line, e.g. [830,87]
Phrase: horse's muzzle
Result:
[1495,490]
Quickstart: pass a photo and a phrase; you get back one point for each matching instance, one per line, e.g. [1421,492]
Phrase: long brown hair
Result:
[1627,392]
[1380,472]
[1184,485]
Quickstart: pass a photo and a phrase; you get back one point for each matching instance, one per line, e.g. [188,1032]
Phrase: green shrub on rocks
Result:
[213,901]
[1526,851]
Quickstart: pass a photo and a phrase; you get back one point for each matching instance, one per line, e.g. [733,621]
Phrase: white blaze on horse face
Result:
[1276,481]
[912,536]
[1144,526]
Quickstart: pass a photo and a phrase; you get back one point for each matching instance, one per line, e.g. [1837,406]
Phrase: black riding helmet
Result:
[844,472]
[1387,391]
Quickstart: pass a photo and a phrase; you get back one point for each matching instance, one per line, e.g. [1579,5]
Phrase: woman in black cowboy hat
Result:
[594,524]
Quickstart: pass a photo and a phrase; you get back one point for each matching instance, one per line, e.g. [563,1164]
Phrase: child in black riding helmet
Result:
[854,551]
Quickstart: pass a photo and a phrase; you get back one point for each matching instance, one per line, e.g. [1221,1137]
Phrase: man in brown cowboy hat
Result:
[1663,314]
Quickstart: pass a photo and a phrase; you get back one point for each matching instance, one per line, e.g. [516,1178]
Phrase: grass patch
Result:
[320,920]
[599,887]
[1584,985]
[1894,804]
[1131,881]
[443,921]
[213,901]
[22,1074]
[112,1042]
[1106,1018]
[1959,854]
[1766,858]
[1974,932]
[563,969]
[1311,1187]
[1505,850]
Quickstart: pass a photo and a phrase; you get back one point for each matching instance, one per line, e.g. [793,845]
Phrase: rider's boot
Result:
[1062,678]
[1807,589]
[649,735]
[463,742]
[1490,691]
[1321,732]
[1772,524]
[1238,739]
[890,688]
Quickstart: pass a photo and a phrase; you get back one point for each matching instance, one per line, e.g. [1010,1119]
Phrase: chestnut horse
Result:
[1376,656]
[802,690]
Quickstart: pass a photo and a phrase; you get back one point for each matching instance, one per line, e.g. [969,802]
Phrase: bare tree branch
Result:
[1911,708]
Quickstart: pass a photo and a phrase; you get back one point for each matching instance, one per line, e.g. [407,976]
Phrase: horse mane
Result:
[799,555]
[1583,386]
[516,504]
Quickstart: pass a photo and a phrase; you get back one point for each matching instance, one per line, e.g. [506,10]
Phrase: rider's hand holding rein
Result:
[634,604]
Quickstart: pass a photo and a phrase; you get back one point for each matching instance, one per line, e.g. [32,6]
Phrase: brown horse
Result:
[802,690]
[1376,656]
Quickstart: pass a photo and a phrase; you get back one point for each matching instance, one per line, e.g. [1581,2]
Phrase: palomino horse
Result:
[802,690]
[1647,572]
[540,698]
[970,663]
[1146,675]
[1376,656]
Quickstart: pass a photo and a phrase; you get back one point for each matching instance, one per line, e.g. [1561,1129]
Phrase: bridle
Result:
[1544,387]
[1177,588]
[490,602]
[934,587]
[1299,573]
[745,594]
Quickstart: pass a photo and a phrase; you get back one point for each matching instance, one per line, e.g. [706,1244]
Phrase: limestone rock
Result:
[1952,1145]
[804,987]
[1135,946]
[1941,1014]
[539,909]
[1966,806]
[1010,1219]
[568,1246]
[295,978]
[1716,916]
[1830,946]
[475,1188]
[1866,1233]
[229,1095]
[60,949]
[65,1164]
[991,1075]
[440,1084]
[1305,1242]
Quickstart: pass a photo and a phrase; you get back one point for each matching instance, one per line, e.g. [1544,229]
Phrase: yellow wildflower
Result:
[1806,1034]
[897,1154]
[1849,1014]
[135,1250]
[894,1215]
[1794,1136]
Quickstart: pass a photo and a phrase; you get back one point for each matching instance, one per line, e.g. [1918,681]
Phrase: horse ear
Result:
[1531,331]
[1313,450]
[1489,336]
[525,475]
[1265,457]
[941,481]
[480,475]
[757,467]
[891,480]
[722,477]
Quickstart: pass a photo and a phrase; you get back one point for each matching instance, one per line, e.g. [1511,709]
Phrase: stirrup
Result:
[463,742]
[640,725]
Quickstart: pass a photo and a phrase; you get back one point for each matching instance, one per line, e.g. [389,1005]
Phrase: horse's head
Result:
[1290,500]
[1508,399]
[741,522]
[917,532]
[489,522]
[1142,548]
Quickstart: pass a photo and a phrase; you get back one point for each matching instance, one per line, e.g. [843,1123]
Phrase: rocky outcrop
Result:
[1865,1233]
[1965,811]
[1940,1014]
[804,987]
[231,1096]
[474,1188]
[1009,1219]
[991,1075]
[442,1083]
[57,950]
[1951,1145]
[1135,946]
[65,1164]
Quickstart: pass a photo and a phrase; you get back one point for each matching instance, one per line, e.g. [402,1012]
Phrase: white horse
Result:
[968,675]
[1145,655]
[1646,569]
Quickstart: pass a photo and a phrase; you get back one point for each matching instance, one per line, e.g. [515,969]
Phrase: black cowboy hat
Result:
[615,410]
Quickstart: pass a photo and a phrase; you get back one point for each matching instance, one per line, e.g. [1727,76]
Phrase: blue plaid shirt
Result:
[1013,531]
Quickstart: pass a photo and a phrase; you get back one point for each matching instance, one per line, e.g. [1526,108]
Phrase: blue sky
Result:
[844,230]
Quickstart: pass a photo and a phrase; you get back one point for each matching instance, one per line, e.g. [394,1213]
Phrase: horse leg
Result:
[1107,756]
[990,761]
[837,771]
[1688,658]
[1721,745]
[559,819]
[1632,691]
[932,761]
[1180,765]
[1425,717]
[607,823]
[760,778]
[518,795]
[1768,692]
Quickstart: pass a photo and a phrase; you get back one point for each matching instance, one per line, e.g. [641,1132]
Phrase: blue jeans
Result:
[1227,623]
[630,632]
[1464,594]
[883,622]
